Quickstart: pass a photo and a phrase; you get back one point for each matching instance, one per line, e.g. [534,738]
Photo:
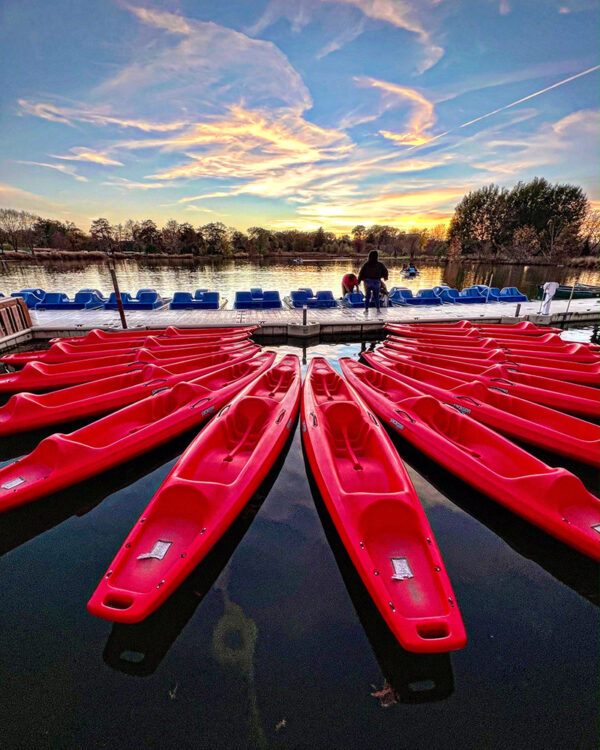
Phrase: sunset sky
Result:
[291,113]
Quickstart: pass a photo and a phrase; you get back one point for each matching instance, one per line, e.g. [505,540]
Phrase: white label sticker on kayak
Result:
[397,424]
[207,411]
[157,552]
[13,483]
[401,569]
[596,527]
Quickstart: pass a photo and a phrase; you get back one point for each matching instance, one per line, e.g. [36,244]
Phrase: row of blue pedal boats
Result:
[257,299]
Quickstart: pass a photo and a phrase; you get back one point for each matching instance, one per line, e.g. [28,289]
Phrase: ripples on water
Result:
[229,276]
[272,642]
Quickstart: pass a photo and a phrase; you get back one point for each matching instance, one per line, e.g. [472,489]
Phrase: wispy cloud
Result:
[123,182]
[403,14]
[404,209]
[81,153]
[349,34]
[422,116]
[247,143]
[95,116]
[567,139]
[14,197]
[63,168]
[205,60]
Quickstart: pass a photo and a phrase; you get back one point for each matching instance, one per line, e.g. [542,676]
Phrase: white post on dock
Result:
[487,296]
[570,297]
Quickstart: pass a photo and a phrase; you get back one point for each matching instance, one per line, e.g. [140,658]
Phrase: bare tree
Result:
[9,226]
[590,231]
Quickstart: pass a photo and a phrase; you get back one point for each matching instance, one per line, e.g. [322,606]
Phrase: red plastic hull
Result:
[377,514]
[38,376]
[26,411]
[564,351]
[63,460]
[557,394]
[524,328]
[551,498]
[573,372]
[98,335]
[58,353]
[532,423]
[200,498]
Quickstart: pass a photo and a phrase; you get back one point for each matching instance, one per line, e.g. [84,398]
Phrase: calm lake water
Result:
[229,276]
[272,643]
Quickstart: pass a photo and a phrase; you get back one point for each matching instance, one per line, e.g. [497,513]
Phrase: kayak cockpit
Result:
[393,538]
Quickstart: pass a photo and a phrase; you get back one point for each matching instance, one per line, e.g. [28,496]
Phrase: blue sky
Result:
[291,113]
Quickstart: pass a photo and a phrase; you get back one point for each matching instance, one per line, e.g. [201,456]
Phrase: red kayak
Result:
[69,352]
[201,497]
[37,376]
[26,411]
[377,514]
[63,460]
[98,335]
[549,341]
[575,372]
[570,352]
[551,498]
[524,328]
[524,420]
[558,394]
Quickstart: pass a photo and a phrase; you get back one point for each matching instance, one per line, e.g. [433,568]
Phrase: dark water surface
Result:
[273,643]
[228,276]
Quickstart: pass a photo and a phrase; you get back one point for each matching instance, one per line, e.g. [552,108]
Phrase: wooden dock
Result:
[340,322]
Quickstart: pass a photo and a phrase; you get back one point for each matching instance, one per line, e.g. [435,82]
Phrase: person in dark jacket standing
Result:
[372,273]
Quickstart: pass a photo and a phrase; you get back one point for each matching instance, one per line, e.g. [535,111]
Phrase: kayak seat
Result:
[356,450]
[328,386]
[274,382]
[391,530]
[220,378]
[568,495]
[240,430]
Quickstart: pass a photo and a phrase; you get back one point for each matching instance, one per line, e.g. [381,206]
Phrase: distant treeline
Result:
[532,221]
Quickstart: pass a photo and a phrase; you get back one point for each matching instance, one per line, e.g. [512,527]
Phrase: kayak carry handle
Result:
[314,418]
[373,419]
[194,405]
[502,380]
[406,414]
[280,417]
[223,410]
[159,390]
[153,382]
[468,398]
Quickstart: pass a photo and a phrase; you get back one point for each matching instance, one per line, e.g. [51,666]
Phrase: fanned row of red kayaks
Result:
[253,402]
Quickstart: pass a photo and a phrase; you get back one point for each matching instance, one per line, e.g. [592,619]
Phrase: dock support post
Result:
[113,276]
[518,310]
[304,311]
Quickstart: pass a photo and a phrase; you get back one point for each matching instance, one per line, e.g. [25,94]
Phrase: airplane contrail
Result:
[507,106]
[531,96]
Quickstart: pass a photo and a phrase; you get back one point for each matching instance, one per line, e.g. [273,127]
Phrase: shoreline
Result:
[65,256]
